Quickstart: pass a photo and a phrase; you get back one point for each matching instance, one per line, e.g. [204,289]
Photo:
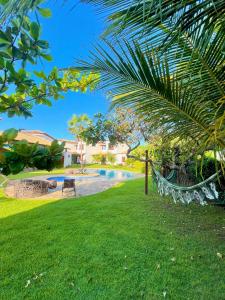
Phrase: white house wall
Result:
[67,159]
[88,151]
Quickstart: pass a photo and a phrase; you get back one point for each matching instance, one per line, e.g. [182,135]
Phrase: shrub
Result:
[111,158]
[130,162]
[99,158]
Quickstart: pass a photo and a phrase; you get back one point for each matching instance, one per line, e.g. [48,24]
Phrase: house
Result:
[38,134]
[79,150]
[43,138]
[75,151]
[32,138]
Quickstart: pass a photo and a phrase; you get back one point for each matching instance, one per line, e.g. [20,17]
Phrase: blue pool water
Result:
[112,174]
[58,178]
[105,174]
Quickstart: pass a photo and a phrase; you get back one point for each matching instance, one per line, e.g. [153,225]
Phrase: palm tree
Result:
[171,67]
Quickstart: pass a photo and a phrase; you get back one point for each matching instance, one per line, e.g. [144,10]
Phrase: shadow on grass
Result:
[118,244]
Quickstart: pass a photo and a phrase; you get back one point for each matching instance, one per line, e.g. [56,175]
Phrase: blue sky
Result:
[71,35]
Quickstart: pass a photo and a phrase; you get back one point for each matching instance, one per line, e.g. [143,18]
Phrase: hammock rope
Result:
[5,179]
[201,192]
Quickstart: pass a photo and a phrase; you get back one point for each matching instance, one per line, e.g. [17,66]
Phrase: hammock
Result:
[4,180]
[205,190]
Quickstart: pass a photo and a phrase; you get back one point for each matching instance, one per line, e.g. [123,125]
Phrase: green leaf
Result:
[3,2]
[16,167]
[54,74]
[3,35]
[34,30]
[44,101]
[10,67]
[25,40]
[5,53]
[45,12]
[17,53]
[26,23]
[43,44]
[4,42]
[46,56]
[2,62]
[40,74]
[10,134]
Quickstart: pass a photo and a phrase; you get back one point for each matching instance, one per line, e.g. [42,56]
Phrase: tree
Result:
[20,90]
[77,124]
[119,126]
[17,155]
[9,9]
[170,69]
[20,45]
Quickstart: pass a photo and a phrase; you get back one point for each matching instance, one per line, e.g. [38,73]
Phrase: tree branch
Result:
[130,149]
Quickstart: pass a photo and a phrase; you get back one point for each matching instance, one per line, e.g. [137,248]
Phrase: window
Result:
[103,147]
[123,159]
[111,147]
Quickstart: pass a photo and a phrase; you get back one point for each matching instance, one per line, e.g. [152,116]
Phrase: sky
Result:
[71,34]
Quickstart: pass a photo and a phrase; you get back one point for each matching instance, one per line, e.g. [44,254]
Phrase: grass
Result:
[25,174]
[136,167]
[119,244]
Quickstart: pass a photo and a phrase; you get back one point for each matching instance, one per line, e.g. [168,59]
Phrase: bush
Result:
[130,162]
[136,165]
[104,158]
[99,158]
[111,158]
[202,169]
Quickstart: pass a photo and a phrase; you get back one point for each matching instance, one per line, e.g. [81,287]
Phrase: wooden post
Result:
[146,172]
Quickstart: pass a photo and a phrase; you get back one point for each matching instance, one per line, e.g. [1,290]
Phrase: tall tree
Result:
[20,45]
[119,126]
[20,90]
[77,124]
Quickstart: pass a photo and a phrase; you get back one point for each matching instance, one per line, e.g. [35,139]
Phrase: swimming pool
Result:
[104,174]
[115,174]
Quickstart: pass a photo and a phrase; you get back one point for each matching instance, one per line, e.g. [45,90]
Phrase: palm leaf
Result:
[141,17]
[197,51]
[201,60]
[15,7]
[143,80]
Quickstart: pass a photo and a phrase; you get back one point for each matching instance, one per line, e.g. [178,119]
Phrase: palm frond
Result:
[141,17]
[200,59]
[143,80]
[15,7]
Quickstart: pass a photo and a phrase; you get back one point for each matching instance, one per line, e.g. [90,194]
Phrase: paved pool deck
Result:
[84,186]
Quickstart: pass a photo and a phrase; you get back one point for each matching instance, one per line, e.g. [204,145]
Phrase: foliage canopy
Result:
[165,60]
[21,44]
[17,155]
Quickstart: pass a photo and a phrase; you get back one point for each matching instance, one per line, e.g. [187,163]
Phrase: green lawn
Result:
[137,167]
[26,174]
[119,244]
